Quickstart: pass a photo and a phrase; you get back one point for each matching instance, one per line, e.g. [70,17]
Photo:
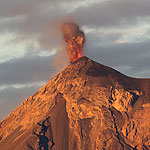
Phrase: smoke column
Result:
[74,39]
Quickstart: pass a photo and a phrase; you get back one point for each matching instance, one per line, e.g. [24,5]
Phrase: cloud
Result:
[37,20]
[26,69]
[112,13]
[129,58]
[15,8]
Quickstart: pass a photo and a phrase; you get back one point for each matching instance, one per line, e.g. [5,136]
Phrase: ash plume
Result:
[74,39]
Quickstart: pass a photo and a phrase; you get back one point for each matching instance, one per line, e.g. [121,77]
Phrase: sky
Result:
[31,48]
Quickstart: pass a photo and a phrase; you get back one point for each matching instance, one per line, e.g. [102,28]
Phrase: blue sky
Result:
[31,49]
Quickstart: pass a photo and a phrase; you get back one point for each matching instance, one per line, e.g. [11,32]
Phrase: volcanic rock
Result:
[88,106]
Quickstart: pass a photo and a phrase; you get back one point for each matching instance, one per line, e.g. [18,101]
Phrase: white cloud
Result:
[18,86]
[9,50]
[43,53]
[73,5]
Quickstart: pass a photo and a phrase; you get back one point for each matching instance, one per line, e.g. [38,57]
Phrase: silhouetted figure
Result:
[43,141]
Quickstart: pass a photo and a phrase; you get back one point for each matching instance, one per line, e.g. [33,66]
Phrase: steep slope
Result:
[88,106]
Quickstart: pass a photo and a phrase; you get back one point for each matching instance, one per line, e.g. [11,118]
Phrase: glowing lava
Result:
[74,39]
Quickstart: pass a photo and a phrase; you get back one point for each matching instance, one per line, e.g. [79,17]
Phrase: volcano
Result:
[88,106]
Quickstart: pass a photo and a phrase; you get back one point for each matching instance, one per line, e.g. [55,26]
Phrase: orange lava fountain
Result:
[74,39]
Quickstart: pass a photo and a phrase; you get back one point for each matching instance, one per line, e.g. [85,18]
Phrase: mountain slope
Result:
[87,106]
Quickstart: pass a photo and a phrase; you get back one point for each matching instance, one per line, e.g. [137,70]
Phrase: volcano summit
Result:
[88,106]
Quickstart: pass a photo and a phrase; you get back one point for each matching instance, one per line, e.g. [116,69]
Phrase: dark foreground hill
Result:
[88,106]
